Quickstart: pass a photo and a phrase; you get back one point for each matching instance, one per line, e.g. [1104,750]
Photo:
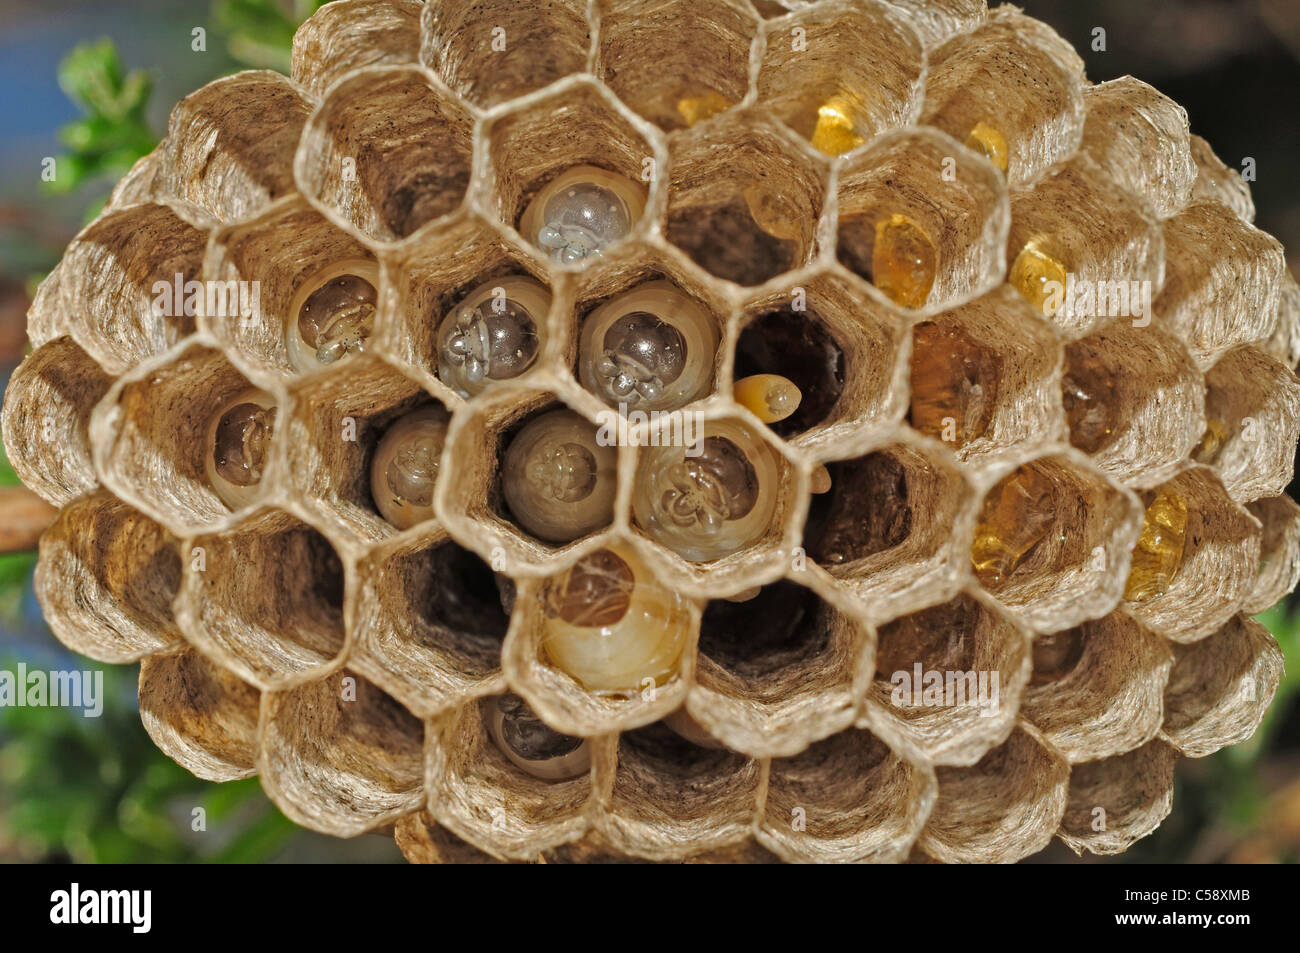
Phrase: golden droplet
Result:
[1159,550]
[770,397]
[954,384]
[1039,277]
[1212,441]
[695,109]
[834,133]
[989,142]
[903,261]
[1017,513]
[821,480]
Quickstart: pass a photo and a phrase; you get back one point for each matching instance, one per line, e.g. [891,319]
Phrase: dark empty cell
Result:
[1056,655]
[724,240]
[783,625]
[463,599]
[941,639]
[855,244]
[798,346]
[656,754]
[326,571]
[423,196]
[866,510]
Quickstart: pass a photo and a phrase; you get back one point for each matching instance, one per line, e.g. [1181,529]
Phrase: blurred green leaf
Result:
[113,133]
[260,32]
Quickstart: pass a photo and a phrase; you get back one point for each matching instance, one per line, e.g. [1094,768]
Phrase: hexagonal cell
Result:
[1133,401]
[1010,89]
[200,715]
[847,798]
[59,385]
[481,795]
[1222,280]
[441,273]
[285,252]
[841,73]
[106,578]
[137,186]
[229,146]
[948,681]
[843,352]
[1053,540]
[723,507]
[330,432]
[422,840]
[1190,594]
[676,64]
[1220,688]
[266,600]
[339,756]
[1279,552]
[748,213]
[603,346]
[430,621]
[1076,227]
[1140,137]
[1252,411]
[1215,182]
[983,376]
[1130,794]
[597,132]
[151,438]
[498,50]
[1004,808]
[777,670]
[1097,689]
[652,677]
[387,151]
[894,526]
[670,796]
[937,20]
[335,40]
[126,286]
[899,185]
[474,507]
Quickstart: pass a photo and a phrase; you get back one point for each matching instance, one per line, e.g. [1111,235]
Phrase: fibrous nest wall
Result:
[350,664]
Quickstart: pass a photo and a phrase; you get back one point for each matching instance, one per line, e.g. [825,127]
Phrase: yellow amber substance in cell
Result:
[834,133]
[903,261]
[1159,550]
[1034,273]
[992,144]
[1212,441]
[1017,514]
[954,384]
[769,397]
[695,109]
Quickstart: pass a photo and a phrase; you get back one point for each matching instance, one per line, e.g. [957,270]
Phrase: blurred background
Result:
[92,82]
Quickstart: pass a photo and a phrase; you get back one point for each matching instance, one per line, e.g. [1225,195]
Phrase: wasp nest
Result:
[639,429]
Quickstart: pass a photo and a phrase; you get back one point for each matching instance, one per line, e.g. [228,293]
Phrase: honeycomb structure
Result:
[304,639]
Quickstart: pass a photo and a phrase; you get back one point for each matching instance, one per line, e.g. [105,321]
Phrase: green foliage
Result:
[15,568]
[260,32]
[98,791]
[113,132]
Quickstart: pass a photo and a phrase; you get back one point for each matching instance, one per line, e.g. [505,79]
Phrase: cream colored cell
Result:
[332,314]
[238,442]
[581,212]
[405,466]
[494,333]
